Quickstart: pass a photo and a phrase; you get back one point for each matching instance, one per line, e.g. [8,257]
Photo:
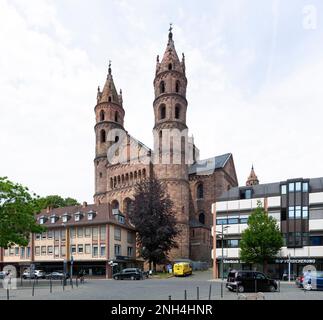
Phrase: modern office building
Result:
[296,204]
[90,236]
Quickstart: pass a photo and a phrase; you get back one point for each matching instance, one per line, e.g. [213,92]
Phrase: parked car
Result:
[129,274]
[182,269]
[2,275]
[38,274]
[250,281]
[57,275]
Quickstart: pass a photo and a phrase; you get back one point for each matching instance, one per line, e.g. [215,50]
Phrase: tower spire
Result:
[252,179]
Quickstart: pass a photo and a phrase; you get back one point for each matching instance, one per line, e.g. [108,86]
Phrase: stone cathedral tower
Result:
[109,114]
[170,164]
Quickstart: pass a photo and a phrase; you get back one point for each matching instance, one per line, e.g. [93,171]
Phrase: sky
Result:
[254,69]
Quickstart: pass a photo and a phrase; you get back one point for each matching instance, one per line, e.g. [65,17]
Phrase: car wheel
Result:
[272,288]
[116,278]
[241,289]
[132,278]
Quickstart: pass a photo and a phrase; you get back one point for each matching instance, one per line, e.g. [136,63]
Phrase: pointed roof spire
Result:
[109,92]
[252,179]
[170,59]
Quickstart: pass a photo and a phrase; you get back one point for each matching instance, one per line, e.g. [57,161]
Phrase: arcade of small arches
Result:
[162,111]
[103,116]
[162,87]
[127,178]
[126,205]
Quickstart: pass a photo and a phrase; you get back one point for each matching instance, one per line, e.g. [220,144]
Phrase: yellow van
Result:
[182,269]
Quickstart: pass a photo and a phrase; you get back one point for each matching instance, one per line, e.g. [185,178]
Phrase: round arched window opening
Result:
[170,67]
[202,218]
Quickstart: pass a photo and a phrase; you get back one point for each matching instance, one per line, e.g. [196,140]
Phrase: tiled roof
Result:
[208,166]
[103,215]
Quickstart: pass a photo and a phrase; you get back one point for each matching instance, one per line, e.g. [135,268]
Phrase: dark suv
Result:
[130,274]
[252,281]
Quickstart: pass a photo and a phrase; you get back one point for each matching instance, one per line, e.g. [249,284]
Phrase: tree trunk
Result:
[154,263]
[265,267]
[149,265]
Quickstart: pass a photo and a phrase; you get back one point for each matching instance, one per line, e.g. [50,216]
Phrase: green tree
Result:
[151,214]
[262,240]
[55,201]
[17,214]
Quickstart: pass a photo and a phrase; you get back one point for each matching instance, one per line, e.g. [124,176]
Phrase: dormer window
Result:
[120,218]
[78,216]
[91,215]
[65,218]
[42,220]
[53,219]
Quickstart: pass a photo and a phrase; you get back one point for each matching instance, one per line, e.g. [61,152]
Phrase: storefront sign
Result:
[296,261]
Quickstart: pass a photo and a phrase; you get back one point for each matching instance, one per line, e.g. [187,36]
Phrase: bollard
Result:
[256,285]
[50,285]
[210,291]
[198,293]
[278,285]
[8,293]
[76,282]
[185,295]
[222,289]
[71,282]
[33,289]
[169,297]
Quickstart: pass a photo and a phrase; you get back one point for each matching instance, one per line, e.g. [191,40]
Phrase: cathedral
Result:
[121,160]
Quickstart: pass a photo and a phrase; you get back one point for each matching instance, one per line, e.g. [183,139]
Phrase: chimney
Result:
[48,209]
[84,204]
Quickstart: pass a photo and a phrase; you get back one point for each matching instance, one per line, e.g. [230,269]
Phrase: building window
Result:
[298,186]
[117,233]
[162,112]
[72,233]
[131,237]
[95,251]
[200,191]
[305,212]
[80,249]
[37,236]
[102,251]
[103,136]
[202,218]
[49,250]
[298,212]
[121,218]
[221,221]
[243,220]
[28,252]
[78,217]
[305,187]
[43,251]
[37,251]
[56,251]
[63,234]
[130,251]
[291,187]
[80,232]
[116,116]
[162,87]
[87,232]
[102,115]
[44,236]
[170,67]
[283,189]
[73,249]
[233,221]
[87,249]
[117,250]
[177,112]
[316,240]
[102,233]
[233,243]
[56,235]
[65,218]
[291,213]
[53,219]
[22,253]
[17,251]
[95,233]
[63,251]
[177,86]
[248,194]
[50,234]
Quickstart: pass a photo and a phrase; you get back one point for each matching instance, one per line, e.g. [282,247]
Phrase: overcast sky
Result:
[255,72]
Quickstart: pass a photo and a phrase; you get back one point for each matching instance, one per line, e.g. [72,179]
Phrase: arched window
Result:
[111,183]
[177,112]
[115,204]
[135,175]
[177,86]
[115,182]
[127,177]
[200,191]
[102,115]
[139,174]
[101,174]
[109,99]
[116,139]
[122,179]
[202,218]
[127,206]
[162,112]
[144,173]
[170,66]
[103,137]
[119,179]
[162,87]
[116,116]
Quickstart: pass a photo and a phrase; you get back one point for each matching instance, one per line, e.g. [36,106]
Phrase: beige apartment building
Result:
[89,236]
